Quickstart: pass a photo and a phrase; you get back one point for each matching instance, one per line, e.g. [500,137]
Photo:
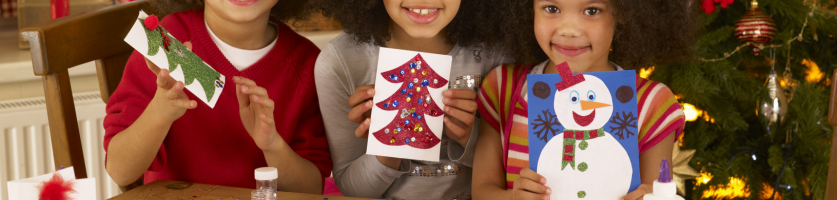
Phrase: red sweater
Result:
[211,145]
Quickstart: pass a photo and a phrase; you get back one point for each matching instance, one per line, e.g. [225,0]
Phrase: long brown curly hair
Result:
[648,32]
[474,25]
[283,11]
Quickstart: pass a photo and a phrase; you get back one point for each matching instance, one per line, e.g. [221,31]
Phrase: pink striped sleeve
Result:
[488,100]
[660,114]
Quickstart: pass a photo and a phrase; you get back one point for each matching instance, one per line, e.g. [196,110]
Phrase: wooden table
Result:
[185,190]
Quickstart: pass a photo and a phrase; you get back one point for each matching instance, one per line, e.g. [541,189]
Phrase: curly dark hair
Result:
[283,11]
[648,32]
[474,25]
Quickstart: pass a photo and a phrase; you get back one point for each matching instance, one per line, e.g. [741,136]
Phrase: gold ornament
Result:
[680,167]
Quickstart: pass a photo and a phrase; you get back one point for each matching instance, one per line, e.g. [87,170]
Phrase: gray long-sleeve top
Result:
[344,65]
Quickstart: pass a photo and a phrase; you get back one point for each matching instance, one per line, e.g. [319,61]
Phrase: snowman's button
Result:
[582,194]
[583,145]
[582,167]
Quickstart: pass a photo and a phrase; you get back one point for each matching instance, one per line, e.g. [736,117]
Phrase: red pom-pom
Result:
[56,188]
[151,22]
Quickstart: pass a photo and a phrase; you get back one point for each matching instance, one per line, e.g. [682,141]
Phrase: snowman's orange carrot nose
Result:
[587,105]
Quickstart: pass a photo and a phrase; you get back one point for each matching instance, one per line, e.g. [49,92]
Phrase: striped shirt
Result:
[503,104]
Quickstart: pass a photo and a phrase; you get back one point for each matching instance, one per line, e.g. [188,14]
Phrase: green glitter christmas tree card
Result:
[161,48]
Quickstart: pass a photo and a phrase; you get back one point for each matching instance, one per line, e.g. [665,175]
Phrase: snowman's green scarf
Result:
[570,136]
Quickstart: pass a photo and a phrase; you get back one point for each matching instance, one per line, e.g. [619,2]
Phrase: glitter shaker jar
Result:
[266,183]
[266,177]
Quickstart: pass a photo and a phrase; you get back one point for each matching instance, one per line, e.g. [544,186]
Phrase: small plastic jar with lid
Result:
[266,178]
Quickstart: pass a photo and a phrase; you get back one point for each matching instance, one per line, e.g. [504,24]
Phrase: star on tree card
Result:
[583,132]
[407,111]
[161,48]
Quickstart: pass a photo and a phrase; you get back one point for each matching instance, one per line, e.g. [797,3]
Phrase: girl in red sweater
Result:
[266,115]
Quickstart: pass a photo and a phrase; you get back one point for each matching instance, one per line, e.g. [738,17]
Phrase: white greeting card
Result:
[162,49]
[27,189]
[407,115]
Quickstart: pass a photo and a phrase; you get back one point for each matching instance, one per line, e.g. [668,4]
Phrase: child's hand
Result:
[169,102]
[460,114]
[256,110]
[361,103]
[530,185]
[639,192]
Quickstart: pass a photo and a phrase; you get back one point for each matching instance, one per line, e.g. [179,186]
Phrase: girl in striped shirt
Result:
[592,36]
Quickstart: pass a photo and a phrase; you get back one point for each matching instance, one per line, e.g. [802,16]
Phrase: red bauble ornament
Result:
[151,22]
[755,27]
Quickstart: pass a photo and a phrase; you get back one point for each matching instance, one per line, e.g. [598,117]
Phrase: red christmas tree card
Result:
[408,110]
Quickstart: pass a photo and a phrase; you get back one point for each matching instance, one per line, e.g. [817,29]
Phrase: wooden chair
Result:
[57,45]
[831,185]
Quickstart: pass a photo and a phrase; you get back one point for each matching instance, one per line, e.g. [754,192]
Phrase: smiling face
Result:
[422,18]
[584,106]
[239,10]
[576,31]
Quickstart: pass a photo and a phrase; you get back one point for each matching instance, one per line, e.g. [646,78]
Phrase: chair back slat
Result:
[60,44]
[109,71]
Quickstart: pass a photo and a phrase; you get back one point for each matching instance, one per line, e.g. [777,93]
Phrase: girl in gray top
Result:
[345,72]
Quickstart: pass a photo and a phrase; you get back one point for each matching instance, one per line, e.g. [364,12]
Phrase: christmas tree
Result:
[757,134]
[412,101]
[178,55]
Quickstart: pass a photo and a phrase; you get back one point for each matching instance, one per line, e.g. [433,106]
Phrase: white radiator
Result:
[26,148]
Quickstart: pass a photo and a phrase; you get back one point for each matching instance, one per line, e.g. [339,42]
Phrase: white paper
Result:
[389,59]
[138,39]
[608,177]
[27,189]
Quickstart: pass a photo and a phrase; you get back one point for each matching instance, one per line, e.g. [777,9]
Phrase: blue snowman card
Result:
[583,132]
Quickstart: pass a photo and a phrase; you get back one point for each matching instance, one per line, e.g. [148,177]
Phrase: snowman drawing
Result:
[584,162]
